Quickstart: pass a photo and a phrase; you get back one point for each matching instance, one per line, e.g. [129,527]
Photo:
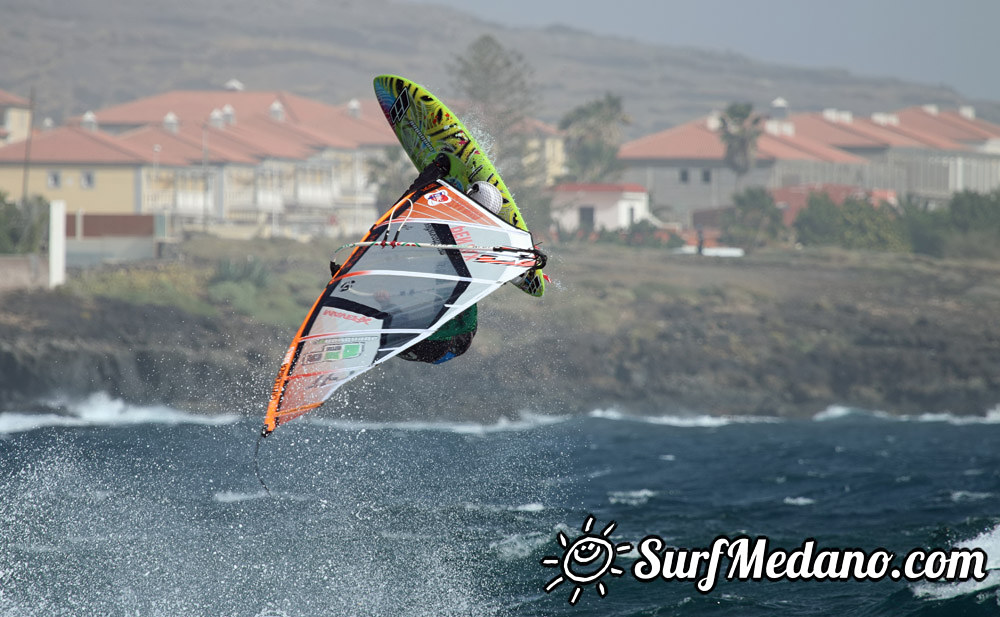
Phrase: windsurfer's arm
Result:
[442,166]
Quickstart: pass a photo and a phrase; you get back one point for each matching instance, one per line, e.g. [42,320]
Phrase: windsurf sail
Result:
[434,254]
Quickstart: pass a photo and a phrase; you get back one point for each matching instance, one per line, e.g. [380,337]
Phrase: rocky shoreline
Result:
[637,330]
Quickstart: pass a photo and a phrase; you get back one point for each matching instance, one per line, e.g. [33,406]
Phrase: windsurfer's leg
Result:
[426,351]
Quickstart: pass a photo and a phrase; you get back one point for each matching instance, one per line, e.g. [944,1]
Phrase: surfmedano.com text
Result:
[754,559]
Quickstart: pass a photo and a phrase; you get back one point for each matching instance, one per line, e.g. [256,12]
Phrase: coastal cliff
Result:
[641,330]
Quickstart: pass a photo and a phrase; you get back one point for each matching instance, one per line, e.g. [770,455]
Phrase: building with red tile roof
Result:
[90,170]
[920,150]
[870,137]
[174,148]
[988,134]
[73,144]
[230,153]
[956,125]
[684,166]
[699,141]
[833,128]
[596,206]
[221,154]
[12,100]
[886,128]
[966,116]
[15,118]
[194,109]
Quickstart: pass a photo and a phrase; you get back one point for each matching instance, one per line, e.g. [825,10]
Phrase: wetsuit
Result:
[455,337]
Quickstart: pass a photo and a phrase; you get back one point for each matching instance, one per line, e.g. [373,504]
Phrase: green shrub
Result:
[249,270]
[23,228]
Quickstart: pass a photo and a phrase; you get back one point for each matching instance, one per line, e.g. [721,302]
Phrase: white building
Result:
[599,206]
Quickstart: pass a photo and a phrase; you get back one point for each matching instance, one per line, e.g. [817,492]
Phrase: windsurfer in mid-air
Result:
[455,337]
[410,286]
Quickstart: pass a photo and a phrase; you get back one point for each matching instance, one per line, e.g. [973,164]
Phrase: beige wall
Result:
[550,152]
[17,122]
[113,190]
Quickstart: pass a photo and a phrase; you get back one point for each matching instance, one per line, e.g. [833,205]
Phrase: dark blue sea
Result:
[134,511]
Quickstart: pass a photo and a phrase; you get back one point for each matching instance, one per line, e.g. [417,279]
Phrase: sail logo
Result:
[438,197]
[361,319]
[399,107]
[461,234]
[505,260]
[335,351]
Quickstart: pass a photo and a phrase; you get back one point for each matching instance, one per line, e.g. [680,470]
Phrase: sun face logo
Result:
[586,559]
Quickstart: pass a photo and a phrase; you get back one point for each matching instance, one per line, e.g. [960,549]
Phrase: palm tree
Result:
[740,127]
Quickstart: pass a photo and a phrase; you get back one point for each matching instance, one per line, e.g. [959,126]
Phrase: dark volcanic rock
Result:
[785,338]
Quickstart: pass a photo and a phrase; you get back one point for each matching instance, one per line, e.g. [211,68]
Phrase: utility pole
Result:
[27,149]
[204,175]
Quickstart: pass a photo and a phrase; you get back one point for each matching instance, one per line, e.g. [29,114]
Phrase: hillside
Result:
[93,53]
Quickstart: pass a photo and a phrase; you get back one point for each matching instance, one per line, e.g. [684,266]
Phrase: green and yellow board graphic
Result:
[425,127]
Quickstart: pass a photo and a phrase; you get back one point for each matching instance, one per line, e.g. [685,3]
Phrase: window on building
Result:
[53,179]
[587,217]
[706,176]
[631,216]
[86,179]
[684,176]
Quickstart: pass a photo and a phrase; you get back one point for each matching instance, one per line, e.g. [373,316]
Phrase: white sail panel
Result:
[387,297]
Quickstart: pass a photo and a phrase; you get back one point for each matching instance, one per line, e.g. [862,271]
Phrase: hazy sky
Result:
[952,42]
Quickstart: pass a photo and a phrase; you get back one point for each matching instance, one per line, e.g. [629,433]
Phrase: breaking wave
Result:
[988,541]
[524,422]
[839,412]
[100,409]
[684,421]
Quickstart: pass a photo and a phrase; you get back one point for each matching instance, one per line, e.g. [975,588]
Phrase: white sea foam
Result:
[990,417]
[798,501]
[684,421]
[100,409]
[988,541]
[839,412]
[525,422]
[631,498]
[519,546]
[234,496]
[958,496]
[529,507]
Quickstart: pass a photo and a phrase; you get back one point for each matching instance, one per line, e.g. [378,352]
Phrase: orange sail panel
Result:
[387,297]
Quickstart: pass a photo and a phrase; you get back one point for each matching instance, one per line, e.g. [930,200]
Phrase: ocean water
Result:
[123,510]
